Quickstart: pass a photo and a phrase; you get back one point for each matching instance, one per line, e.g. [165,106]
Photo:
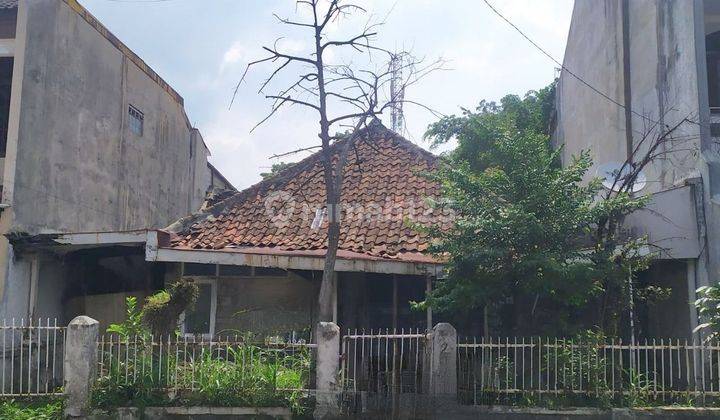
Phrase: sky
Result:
[201,47]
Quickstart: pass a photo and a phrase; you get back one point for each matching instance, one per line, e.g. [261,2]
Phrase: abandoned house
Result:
[258,254]
[661,60]
[91,140]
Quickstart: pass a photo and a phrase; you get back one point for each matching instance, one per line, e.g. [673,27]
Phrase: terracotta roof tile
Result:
[383,186]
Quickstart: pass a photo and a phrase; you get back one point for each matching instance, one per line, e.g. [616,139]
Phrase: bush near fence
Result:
[230,371]
[588,370]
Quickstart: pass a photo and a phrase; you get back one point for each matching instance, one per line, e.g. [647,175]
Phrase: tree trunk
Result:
[333,189]
[326,287]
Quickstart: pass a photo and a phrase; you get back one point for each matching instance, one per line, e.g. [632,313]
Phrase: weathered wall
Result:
[670,222]
[108,308]
[663,83]
[259,304]
[79,167]
[266,304]
[587,121]
[51,289]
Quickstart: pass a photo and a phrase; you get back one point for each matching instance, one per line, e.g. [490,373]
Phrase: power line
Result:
[562,66]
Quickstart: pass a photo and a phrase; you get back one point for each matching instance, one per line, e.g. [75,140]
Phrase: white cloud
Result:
[241,156]
[291,45]
[233,55]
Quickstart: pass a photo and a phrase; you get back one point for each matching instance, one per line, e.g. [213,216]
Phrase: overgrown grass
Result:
[31,410]
[238,375]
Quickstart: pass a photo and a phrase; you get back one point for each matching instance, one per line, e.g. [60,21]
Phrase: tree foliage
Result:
[160,314]
[162,310]
[708,304]
[526,227]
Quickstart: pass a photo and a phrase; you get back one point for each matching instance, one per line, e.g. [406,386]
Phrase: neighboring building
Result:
[91,140]
[258,254]
[662,59]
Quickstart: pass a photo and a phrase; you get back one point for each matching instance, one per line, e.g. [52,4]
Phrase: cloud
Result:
[241,156]
[291,45]
[233,55]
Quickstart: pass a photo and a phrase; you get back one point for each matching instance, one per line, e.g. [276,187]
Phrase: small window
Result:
[136,120]
[200,319]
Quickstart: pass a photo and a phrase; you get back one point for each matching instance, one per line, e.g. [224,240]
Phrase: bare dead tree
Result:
[342,96]
[657,141]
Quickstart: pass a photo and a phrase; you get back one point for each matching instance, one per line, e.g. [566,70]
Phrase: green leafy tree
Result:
[526,229]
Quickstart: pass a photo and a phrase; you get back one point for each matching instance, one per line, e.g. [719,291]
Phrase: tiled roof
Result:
[383,188]
[8,4]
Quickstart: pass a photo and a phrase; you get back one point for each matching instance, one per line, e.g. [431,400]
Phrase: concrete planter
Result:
[194,413]
[516,413]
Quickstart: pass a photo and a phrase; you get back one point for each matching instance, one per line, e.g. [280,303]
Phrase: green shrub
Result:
[162,310]
[240,374]
[37,410]
[133,325]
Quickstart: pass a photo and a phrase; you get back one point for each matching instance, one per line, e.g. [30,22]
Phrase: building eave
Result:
[290,261]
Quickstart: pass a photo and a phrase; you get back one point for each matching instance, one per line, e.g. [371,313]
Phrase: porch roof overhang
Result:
[157,249]
[63,243]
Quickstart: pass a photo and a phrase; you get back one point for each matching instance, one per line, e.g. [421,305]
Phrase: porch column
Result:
[428,289]
[692,286]
[395,302]
[335,297]
[34,276]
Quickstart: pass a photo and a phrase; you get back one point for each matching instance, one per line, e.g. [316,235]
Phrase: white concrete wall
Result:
[664,84]
[587,121]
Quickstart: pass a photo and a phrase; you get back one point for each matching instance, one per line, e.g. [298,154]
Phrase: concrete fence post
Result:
[327,370]
[80,365]
[442,347]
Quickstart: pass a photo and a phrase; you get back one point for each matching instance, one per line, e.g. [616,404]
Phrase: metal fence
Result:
[32,357]
[189,364]
[383,361]
[659,370]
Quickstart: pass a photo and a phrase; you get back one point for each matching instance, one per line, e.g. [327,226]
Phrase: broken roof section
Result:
[384,190]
